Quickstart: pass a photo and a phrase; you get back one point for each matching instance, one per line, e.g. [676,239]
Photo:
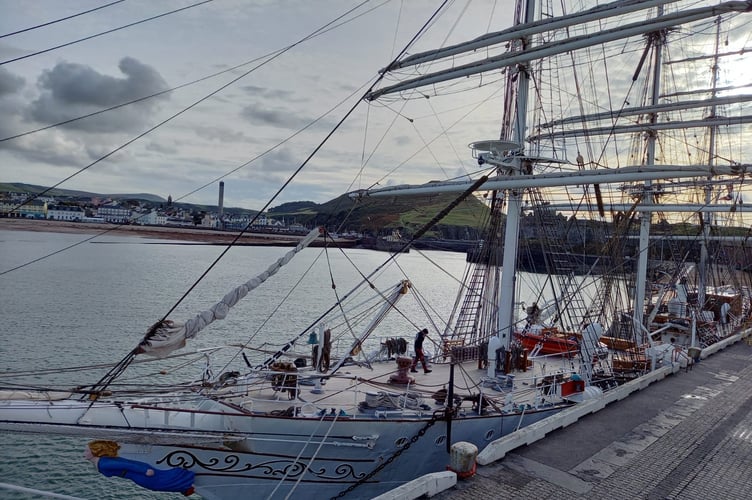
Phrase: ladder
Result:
[560,265]
[468,319]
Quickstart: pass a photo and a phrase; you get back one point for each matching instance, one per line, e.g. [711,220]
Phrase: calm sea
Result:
[91,304]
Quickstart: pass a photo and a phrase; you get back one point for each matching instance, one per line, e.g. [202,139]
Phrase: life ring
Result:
[308,410]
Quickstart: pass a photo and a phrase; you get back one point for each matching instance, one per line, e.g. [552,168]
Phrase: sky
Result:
[252,126]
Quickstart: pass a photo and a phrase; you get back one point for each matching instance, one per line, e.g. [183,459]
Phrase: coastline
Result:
[176,234]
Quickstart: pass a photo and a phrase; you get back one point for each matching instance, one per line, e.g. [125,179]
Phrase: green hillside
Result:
[368,215]
[19,187]
[380,215]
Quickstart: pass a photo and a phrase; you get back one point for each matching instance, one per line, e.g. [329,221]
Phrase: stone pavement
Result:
[688,436]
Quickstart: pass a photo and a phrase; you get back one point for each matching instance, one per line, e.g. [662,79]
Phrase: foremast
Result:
[656,41]
[514,197]
[707,217]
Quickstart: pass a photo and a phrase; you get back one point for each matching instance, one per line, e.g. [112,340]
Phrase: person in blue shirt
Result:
[103,454]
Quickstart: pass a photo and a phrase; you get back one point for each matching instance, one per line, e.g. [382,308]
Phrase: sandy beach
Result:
[190,235]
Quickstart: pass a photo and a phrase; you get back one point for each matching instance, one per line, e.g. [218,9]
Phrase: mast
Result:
[532,53]
[514,200]
[519,31]
[707,217]
[656,39]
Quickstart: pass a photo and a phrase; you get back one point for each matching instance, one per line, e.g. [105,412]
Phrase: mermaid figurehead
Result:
[104,455]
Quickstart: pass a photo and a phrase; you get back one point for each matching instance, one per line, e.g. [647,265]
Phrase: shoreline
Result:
[175,234]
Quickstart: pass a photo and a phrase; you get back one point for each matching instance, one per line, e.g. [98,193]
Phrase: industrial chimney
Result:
[220,205]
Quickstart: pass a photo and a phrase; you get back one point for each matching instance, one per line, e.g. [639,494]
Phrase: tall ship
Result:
[622,138]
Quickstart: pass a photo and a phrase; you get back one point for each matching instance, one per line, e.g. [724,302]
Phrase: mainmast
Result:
[707,217]
[656,40]
[514,198]
[530,41]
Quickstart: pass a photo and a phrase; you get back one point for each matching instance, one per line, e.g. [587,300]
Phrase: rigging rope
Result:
[120,367]
[476,185]
[313,457]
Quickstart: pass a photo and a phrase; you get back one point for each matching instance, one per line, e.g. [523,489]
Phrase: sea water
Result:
[67,300]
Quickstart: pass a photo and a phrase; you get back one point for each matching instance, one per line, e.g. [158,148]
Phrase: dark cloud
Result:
[75,83]
[9,83]
[49,150]
[257,114]
[271,168]
[11,103]
[275,117]
[269,93]
[221,134]
[70,90]
[277,165]
[161,148]
[403,140]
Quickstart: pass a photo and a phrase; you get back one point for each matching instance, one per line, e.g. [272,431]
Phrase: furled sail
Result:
[167,335]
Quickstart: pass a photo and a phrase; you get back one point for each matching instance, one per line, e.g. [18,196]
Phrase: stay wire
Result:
[181,86]
[212,181]
[19,58]
[365,278]
[120,367]
[436,137]
[311,460]
[49,23]
[426,145]
[123,364]
[139,99]
[223,176]
[306,161]
[271,55]
[296,461]
[246,344]
[428,225]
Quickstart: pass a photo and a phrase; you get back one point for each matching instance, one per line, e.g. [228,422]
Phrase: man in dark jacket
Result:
[419,356]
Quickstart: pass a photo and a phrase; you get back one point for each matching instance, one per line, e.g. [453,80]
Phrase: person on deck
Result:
[533,314]
[419,355]
[103,454]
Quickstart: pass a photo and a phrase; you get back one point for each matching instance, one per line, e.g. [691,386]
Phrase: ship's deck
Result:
[381,386]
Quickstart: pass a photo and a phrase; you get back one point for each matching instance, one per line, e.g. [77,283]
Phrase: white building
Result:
[153,218]
[65,212]
[114,214]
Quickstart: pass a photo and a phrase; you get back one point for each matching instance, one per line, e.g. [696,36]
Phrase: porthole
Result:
[440,440]
[490,434]
[401,442]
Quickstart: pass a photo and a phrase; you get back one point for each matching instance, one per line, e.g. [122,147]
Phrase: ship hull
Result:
[272,456]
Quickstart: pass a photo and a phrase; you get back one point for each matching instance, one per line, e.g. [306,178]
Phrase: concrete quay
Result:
[686,437]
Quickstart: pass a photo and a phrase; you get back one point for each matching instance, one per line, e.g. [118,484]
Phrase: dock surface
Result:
[686,437]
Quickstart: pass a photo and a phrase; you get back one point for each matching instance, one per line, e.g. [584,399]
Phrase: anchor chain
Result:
[439,415]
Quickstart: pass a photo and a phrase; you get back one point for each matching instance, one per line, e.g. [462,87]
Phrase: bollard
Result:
[463,459]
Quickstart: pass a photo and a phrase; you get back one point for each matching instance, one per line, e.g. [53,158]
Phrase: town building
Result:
[65,212]
[114,214]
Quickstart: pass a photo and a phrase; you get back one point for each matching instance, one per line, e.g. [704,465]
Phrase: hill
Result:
[147,198]
[368,215]
[20,187]
[382,215]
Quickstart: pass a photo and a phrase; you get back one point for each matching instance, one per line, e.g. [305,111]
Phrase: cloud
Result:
[237,124]
[70,90]
[268,93]
[9,83]
[403,140]
[158,147]
[276,117]
[273,168]
[11,103]
[221,134]
[52,148]
[284,118]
